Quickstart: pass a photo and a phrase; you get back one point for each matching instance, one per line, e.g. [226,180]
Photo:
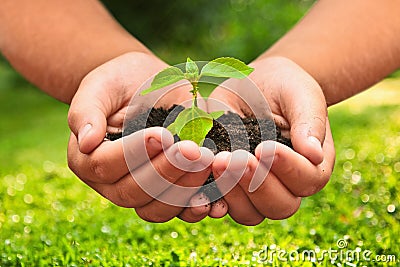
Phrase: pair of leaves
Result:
[193,124]
[224,67]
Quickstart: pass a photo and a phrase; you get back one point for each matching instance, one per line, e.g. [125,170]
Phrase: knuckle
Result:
[285,212]
[308,191]
[314,187]
[99,170]
[162,171]
[72,115]
[315,183]
[124,198]
[325,177]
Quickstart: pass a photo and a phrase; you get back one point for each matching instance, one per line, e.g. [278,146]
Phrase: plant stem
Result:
[194,92]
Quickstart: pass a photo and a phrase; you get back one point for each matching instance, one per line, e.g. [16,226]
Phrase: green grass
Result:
[49,218]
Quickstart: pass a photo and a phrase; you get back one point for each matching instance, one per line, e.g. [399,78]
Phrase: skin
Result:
[346,46]
[88,66]
[339,49]
[55,44]
[294,174]
[98,167]
[328,56]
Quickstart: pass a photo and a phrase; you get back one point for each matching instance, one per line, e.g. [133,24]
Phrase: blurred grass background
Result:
[49,218]
[205,29]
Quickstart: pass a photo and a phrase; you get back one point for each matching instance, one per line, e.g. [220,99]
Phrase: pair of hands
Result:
[297,104]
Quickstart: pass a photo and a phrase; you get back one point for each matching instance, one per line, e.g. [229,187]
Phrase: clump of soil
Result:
[230,132]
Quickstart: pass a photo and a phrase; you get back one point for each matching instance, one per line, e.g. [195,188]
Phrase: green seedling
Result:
[194,123]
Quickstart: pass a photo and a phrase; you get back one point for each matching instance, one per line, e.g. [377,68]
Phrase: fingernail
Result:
[189,150]
[83,132]
[207,156]
[217,173]
[265,150]
[199,200]
[315,142]
[180,157]
[153,142]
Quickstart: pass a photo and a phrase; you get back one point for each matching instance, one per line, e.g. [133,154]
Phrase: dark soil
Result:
[230,132]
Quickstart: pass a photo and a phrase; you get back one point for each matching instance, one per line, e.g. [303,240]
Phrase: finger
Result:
[306,113]
[199,207]
[151,179]
[241,209]
[161,210]
[107,163]
[271,198]
[239,205]
[219,208]
[89,110]
[181,158]
[103,94]
[298,174]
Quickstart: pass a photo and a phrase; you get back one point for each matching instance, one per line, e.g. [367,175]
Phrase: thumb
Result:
[308,136]
[87,117]
[306,113]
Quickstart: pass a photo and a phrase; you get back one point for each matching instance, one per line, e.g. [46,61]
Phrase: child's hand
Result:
[298,106]
[120,170]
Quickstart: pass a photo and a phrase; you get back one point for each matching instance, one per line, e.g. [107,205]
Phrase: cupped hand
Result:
[283,175]
[154,174]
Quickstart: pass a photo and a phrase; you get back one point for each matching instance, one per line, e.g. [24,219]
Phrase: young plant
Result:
[194,123]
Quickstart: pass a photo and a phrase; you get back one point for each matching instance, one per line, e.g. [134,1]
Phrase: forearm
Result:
[346,46]
[54,44]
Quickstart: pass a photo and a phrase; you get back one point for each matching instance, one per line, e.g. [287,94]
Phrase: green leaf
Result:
[216,114]
[165,77]
[172,128]
[193,124]
[187,115]
[192,70]
[207,85]
[226,67]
